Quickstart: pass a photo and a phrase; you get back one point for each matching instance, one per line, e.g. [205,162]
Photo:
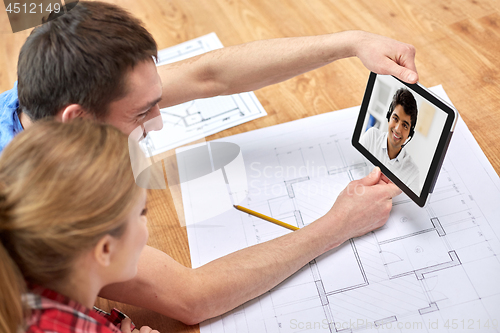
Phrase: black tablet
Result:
[405,130]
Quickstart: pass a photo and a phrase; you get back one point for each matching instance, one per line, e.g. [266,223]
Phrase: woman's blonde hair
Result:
[62,188]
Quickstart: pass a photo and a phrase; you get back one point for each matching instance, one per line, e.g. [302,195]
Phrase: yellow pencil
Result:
[267,218]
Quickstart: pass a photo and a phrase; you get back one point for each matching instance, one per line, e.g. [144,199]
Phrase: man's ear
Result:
[103,251]
[71,112]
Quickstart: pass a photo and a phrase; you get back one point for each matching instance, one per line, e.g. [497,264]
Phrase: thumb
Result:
[392,190]
[402,73]
[125,325]
[408,75]
[373,178]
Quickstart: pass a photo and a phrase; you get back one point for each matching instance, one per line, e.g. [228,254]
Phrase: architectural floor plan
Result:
[428,269]
[197,119]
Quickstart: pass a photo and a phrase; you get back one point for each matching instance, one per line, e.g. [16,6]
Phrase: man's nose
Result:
[155,123]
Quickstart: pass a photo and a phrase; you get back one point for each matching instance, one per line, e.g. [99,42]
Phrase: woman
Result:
[72,221]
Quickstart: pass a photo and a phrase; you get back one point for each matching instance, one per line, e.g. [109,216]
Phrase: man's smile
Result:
[395,136]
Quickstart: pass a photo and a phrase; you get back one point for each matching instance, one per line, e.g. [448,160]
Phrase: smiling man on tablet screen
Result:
[388,147]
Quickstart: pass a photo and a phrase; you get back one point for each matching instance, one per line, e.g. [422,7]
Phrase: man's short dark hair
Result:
[81,57]
[405,98]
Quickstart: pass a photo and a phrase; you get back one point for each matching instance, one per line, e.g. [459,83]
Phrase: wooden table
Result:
[457,42]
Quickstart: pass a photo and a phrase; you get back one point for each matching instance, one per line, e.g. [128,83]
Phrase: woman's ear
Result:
[103,251]
[71,112]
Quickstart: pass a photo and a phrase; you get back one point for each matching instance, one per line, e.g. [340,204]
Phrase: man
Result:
[97,62]
[389,147]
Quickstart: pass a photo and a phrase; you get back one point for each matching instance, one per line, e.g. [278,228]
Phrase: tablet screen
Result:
[405,130]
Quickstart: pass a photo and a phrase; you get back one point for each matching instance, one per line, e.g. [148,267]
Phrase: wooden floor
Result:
[457,42]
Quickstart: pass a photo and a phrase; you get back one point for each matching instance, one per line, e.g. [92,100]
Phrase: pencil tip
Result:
[234,206]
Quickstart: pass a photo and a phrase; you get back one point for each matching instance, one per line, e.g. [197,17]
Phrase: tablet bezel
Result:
[439,154]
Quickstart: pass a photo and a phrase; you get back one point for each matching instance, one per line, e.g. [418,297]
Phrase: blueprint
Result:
[428,269]
[197,119]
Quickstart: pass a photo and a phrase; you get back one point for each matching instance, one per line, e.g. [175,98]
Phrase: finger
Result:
[408,75]
[392,190]
[385,179]
[372,179]
[408,58]
[145,329]
[401,72]
[125,325]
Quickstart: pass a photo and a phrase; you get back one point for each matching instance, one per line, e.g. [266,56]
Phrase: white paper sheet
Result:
[197,119]
[427,270]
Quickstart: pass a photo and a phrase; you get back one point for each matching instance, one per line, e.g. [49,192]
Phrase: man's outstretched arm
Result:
[193,295]
[261,63]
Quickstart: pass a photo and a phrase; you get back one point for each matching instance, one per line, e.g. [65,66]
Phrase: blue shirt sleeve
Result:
[9,119]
